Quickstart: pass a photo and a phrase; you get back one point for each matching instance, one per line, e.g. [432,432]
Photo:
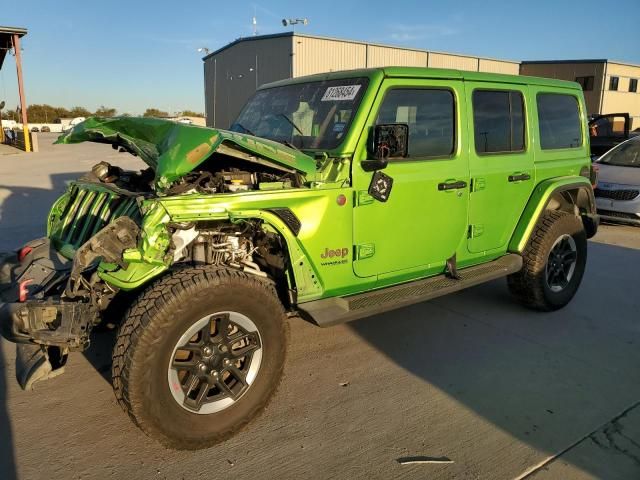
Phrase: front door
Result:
[500,162]
[424,219]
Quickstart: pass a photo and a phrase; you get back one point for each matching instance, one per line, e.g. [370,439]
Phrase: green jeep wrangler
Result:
[332,197]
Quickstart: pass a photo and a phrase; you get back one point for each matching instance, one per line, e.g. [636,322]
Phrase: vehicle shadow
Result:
[547,379]
[7,455]
[23,213]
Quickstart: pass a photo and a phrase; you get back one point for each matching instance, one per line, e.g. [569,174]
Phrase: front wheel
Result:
[199,355]
[554,261]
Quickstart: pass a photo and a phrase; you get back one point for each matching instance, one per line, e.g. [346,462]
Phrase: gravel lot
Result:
[472,378]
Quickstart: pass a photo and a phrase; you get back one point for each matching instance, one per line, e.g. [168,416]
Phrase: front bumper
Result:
[49,323]
[619,211]
[40,316]
[44,327]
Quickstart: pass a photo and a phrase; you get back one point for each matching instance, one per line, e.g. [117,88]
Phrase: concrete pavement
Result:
[500,391]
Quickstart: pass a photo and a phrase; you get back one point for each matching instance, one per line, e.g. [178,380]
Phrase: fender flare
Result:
[573,194]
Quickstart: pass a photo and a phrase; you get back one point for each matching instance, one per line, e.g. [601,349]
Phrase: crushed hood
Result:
[174,149]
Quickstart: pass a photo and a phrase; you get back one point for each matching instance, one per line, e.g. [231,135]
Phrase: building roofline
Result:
[626,64]
[6,40]
[593,60]
[344,40]
[542,62]
[20,31]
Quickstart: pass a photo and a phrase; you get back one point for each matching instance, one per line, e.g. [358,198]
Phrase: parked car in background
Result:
[618,190]
[35,129]
[45,129]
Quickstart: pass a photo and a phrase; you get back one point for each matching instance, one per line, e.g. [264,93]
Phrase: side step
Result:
[332,311]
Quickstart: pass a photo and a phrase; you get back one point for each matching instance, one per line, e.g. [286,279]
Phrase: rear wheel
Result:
[553,263]
[199,355]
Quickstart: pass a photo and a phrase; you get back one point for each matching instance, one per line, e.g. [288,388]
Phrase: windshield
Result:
[312,116]
[626,154]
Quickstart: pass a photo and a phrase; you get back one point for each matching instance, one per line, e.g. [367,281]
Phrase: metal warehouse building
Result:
[609,87]
[234,72]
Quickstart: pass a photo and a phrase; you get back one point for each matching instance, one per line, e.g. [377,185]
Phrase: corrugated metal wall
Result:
[318,55]
[383,56]
[232,75]
[496,66]
[443,60]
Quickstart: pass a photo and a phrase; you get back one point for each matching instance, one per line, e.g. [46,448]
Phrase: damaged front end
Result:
[51,304]
[110,232]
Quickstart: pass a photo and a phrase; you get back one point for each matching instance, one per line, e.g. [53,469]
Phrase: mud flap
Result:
[33,365]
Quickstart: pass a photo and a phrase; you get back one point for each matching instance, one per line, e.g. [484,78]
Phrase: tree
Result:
[10,115]
[190,113]
[79,112]
[105,112]
[45,113]
[154,112]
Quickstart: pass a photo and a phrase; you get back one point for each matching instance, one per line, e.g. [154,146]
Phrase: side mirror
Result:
[389,141]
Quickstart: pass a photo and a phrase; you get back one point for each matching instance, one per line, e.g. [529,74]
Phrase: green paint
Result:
[362,244]
[174,149]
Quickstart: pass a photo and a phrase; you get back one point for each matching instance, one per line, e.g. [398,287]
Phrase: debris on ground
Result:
[422,459]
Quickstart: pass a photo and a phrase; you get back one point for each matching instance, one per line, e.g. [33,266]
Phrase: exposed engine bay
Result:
[227,180]
[244,246]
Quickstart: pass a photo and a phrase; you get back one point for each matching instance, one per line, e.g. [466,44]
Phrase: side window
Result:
[430,114]
[559,120]
[498,118]
[613,83]
[586,83]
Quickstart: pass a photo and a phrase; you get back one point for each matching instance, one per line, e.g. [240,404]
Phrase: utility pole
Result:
[23,101]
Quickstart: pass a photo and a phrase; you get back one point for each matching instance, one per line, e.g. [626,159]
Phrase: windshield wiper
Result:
[246,130]
[291,122]
[290,145]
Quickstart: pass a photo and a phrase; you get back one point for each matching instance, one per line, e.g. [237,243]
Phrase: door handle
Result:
[452,185]
[519,177]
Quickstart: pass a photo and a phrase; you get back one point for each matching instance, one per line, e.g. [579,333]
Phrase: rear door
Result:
[607,131]
[424,219]
[500,162]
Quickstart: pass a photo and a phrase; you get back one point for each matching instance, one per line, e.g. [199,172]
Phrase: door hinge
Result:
[364,198]
[475,231]
[478,184]
[366,250]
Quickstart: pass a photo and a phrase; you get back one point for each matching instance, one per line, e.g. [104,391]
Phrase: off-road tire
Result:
[153,325]
[529,285]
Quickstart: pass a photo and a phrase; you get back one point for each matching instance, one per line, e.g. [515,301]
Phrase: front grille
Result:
[88,211]
[611,213]
[616,194]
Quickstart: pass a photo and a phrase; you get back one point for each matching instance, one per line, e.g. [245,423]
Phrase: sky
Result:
[132,55]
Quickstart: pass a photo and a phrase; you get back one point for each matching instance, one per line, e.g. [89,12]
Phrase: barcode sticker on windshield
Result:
[346,92]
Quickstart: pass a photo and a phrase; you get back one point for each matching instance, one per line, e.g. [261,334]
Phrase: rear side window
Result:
[498,118]
[430,114]
[559,120]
